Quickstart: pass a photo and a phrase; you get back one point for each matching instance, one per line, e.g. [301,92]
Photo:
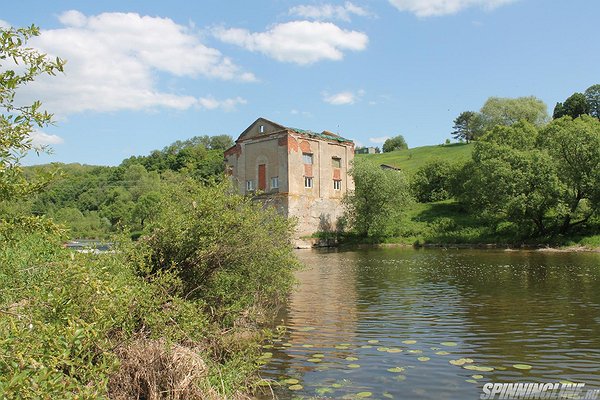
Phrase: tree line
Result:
[529,176]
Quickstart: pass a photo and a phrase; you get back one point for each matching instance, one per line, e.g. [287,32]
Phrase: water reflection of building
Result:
[326,300]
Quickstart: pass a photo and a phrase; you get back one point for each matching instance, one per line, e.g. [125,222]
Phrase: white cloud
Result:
[39,138]
[300,42]
[342,98]
[210,103]
[433,8]
[4,24]
[329,11]
[379,140]
[114,62]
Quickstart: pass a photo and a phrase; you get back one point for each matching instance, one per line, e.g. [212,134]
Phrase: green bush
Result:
[433,181]
[229,251]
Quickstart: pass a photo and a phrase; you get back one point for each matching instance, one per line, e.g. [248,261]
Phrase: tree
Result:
[559,111]
[574,106]
[574,145]
[542,180]
[508,111]
[230,252]
[375,206]
[221,142]
[20,65]
[592,95]
[510,180]
[395,143]
[433,181]
[466,126]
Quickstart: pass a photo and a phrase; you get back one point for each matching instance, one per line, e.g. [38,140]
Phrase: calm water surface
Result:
[387,322]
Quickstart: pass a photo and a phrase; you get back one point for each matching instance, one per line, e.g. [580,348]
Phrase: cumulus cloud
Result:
[342,98]
[379,140]
[300,42]
[432,8]
[210,103]
[4,24]
[39,138]
[114,62]
[329,11]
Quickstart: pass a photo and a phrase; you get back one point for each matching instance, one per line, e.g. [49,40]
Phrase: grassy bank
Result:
[410,160]
[447,223]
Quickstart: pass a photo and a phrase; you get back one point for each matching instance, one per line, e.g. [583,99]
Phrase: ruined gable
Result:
[261,127]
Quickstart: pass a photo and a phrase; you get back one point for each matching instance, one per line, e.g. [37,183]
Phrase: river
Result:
[436,324]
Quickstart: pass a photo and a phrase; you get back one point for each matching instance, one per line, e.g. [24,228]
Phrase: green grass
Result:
[412,159]
[447,223]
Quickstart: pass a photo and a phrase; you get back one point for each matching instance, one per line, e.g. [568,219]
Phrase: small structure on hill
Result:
[366,150]
[302,173]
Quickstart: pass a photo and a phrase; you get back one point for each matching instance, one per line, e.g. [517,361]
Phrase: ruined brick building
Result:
[302,173]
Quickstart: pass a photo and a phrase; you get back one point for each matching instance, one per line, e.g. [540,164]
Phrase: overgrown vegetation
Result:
[525,181]
[176,315]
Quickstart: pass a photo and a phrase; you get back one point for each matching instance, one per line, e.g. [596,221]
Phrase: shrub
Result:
[227,250]
[433,181]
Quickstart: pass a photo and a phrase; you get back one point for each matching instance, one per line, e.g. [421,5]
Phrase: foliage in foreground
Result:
[85,326]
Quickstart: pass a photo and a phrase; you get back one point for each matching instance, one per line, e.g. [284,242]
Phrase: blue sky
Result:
[142,74]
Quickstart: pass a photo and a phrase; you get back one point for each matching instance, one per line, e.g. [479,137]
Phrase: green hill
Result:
[410,160]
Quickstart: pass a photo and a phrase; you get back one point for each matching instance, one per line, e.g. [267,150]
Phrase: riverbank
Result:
[446,224]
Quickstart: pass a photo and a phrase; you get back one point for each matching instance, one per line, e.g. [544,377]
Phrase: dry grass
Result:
[153,370]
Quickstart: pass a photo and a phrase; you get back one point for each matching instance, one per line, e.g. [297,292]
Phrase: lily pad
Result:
[477,376]
[373,341]
[471,381]
[383,349]
[336,385]
[318,355]
[396,370]
[296,387]
[461,361]
[435,348]
[266,355]
[522,366]
[323,391]
[366,346]
[449,344]
[268,346]
[415,351]
[353,366]
[394,350]
[478,368]
[291,381]
[364,395]
[307,345]
[442,353]
[351,358]
[286,344]
[423,359]
[340,347]
[314,360]
[409,341]
[388,395]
